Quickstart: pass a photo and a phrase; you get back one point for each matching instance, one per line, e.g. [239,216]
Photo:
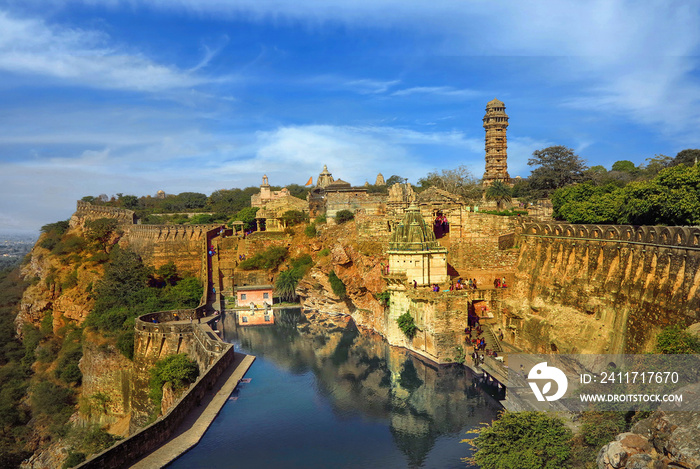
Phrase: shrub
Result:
[52,401]
[271,258]
[100,231]
[526,440]
[343,216]
[71,244]
[600,428]
[675,340]
[337,285]
[178,370]
[310,230]
[324,252]
[57,228]
[70,281]
[407,324]
[384,298]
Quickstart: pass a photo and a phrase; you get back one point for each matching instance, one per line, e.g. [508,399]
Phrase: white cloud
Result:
[448,91]
[30,46]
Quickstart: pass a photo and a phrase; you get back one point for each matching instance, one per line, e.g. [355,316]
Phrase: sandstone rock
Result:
[612,455]
[640,461]
[339,256]
[694,329]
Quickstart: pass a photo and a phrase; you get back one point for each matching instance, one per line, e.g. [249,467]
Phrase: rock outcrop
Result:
[664,440]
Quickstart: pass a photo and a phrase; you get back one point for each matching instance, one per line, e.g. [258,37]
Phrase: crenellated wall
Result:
[87,211]
[615,286]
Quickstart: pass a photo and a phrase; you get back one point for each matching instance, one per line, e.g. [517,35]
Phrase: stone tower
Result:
[495,124]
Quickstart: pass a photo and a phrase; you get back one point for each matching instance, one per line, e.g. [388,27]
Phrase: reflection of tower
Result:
[495,124]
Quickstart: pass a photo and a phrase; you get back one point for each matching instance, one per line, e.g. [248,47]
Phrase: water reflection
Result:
[361,375]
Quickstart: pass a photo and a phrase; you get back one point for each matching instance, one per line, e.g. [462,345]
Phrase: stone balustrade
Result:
[680,237]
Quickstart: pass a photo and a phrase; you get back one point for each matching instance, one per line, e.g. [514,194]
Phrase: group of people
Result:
[441,224]
[435,287]
[212,251]
[499,283]
[479,342]
[241,257]
[470,283]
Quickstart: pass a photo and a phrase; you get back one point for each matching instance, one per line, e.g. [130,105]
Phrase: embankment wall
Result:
[128,451]
[617,285]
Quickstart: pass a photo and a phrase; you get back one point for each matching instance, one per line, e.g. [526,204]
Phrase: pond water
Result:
[323,394]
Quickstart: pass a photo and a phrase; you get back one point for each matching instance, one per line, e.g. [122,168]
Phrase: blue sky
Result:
[198,95]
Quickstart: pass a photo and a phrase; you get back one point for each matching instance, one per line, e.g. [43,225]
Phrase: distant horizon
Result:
[199,95]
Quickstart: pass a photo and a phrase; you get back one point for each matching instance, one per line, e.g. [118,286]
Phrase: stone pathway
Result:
[197,422]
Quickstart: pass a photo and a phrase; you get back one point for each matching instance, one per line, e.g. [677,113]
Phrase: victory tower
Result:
[495,124]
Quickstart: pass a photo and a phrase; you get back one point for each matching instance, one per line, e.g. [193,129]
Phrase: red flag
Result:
[311,181]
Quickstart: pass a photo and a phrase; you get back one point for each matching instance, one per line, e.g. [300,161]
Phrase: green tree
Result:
[247,216]
[526,440]
[394,179]
[286,284]
[499,192]
[129,201]
[625,166]
[688,157]
[555,167]
[190,200]
[298,191]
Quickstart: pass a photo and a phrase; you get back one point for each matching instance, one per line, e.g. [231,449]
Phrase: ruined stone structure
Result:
[415,253]
[495,125]
[267,195]
[380,180]
[269,218]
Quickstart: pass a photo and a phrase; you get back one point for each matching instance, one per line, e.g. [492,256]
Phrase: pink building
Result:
[256,294]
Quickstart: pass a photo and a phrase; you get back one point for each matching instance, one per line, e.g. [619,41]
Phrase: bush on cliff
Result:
[407,324]
[675,340]
[178,370]
[337,285]
[269,259]
[526,440]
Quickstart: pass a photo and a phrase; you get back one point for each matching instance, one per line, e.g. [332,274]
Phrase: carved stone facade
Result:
[415,253]
[495,125]
[324,179]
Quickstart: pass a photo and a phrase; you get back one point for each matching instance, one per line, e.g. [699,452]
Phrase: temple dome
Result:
[412,234]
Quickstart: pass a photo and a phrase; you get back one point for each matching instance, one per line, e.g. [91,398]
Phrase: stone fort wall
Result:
[87,211]
[618,285]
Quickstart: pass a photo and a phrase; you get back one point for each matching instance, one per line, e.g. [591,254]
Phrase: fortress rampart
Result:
[617,285]
[86,210]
